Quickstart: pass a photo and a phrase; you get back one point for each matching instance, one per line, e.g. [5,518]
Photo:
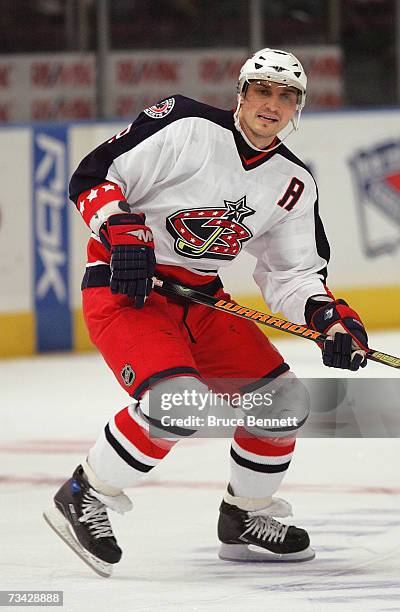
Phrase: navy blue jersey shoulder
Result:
[187,107]
[94,167]
[288,154]
[321,241]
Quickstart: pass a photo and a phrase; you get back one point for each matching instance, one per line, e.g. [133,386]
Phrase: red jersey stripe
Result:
[254,159]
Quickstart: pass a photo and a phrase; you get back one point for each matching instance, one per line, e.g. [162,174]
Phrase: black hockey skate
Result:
[81,520]
[255,536]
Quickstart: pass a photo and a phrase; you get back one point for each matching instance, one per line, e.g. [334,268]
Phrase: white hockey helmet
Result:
[276,66]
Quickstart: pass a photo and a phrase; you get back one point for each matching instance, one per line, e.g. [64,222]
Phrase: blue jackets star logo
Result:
[237,210]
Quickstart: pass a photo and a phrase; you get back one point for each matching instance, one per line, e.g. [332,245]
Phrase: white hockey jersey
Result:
[207,195]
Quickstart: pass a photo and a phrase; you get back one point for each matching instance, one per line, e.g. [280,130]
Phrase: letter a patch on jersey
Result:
[214,233]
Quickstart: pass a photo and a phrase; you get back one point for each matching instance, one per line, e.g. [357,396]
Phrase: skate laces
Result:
[94,513]
[265,527]
[119,503]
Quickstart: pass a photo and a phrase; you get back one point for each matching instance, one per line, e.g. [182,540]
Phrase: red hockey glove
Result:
[348,341]
[132,255]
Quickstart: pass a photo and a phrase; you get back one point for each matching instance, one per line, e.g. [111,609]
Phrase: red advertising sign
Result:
[62,86]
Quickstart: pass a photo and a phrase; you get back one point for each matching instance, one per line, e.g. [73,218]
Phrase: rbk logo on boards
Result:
[51,238]
[211,232]
[376,177]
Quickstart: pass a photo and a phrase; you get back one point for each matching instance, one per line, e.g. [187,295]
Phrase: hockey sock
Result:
[127,449]
[258,465]
[124,452]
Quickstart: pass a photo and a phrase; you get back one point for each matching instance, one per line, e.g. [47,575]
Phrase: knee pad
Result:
[175,407]
[279,408]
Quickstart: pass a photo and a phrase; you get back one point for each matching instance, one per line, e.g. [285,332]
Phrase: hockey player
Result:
[178,194]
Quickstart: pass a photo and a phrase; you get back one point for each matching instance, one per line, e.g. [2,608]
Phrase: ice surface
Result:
[344,492]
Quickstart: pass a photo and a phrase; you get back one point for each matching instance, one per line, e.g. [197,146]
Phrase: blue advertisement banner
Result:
[51,239]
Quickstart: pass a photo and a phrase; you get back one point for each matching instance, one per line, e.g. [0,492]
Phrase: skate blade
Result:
[55,519]
[253,553]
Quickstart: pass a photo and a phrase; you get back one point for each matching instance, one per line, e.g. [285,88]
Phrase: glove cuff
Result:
[126,228]
[314,303]
[126,219]
[328,315]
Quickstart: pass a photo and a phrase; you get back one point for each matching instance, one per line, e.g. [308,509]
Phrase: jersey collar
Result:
[252,158]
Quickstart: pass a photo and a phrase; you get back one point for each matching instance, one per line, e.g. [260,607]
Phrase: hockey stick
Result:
[186,247]
[174,289]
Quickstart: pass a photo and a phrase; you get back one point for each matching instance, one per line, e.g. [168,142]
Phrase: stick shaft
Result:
[251,314]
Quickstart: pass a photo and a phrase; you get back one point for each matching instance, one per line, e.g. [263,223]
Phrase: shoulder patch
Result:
[160,110]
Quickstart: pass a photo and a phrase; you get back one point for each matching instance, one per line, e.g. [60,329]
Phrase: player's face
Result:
[266,109]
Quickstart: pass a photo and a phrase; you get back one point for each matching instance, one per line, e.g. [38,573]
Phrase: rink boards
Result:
[355,157]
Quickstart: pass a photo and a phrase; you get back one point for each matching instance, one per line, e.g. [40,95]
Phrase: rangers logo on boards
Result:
[376,177]
[216,233]
[160,110]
